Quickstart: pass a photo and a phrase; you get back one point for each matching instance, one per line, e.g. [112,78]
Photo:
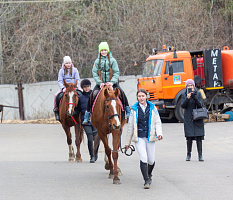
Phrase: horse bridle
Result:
[67,104]
[123,150]
[110,117]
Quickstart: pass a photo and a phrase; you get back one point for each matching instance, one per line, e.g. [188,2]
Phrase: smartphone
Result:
[190,90]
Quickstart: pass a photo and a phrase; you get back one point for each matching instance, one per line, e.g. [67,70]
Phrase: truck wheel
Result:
[179,112]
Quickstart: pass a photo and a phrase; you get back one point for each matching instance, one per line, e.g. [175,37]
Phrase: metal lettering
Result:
[214,54]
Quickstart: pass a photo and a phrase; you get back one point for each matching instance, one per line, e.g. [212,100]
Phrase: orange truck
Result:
[165,73]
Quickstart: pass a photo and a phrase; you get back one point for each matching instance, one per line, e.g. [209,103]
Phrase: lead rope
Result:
[76,123]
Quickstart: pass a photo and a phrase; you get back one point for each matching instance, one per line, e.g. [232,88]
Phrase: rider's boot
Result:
[86,118]
[56,112]
[144,170]
[127,110]
[150,169]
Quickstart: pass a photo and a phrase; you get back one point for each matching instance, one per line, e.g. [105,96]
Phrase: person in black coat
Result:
[194,130]
[93,139]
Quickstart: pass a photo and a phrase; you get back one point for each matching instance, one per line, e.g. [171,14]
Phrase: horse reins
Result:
[66,104]
[123,150]
[76,123]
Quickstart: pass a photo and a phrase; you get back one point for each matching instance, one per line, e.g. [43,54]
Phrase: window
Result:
[153,68]
[176,65]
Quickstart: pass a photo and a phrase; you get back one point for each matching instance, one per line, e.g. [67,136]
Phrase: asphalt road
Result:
[34,165]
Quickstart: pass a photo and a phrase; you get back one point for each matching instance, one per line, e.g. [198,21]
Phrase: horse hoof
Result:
[116,181]
[111,176]
[120,173]
[107,166]
[71,159]
[79,160]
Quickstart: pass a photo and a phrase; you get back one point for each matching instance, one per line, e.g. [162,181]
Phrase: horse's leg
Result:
[116,145]
[104,139]
[107,166]
[78,140]
[69,142]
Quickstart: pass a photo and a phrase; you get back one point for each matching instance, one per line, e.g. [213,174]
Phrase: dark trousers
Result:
[91,133]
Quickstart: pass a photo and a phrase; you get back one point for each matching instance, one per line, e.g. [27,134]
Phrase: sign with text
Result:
[213,68]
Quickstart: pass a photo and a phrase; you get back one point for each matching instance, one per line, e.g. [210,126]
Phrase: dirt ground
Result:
[36,121]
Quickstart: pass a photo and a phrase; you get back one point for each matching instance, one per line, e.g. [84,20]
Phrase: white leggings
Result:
[146,150]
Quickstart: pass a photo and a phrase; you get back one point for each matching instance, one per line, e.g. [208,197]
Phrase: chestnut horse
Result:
[66,110]
[107,118]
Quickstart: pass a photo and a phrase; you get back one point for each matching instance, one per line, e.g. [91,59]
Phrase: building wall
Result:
[39,97]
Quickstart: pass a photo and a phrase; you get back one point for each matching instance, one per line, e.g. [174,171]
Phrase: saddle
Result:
[95,93]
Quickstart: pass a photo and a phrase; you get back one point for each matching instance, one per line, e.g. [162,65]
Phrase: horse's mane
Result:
[71,86]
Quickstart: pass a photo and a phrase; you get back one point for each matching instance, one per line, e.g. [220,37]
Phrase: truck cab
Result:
[165,73]
[163,78]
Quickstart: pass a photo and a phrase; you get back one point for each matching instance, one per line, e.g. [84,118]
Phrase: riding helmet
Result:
[85,82]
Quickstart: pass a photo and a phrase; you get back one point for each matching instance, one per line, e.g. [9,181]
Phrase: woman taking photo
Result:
[194,130]
[144,128]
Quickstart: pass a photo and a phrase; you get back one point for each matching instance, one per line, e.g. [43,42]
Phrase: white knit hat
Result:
[67,59]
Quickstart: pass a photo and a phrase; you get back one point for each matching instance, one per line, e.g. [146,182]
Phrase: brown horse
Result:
[68,103]
[107,118]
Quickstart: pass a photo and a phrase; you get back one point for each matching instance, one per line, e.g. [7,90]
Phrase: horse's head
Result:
[71,97]
[113,107]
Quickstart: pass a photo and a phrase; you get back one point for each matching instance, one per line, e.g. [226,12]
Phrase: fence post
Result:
[20,97]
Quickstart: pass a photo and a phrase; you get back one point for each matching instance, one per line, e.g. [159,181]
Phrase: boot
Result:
[56,112]
[127,110]
[150,169]
[199,150]
[144,170]
[91,151]
[86,118]
[189,149]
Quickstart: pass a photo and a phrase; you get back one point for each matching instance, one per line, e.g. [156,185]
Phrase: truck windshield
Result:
[153,68]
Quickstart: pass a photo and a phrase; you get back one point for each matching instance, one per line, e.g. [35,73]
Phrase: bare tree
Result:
[36,36]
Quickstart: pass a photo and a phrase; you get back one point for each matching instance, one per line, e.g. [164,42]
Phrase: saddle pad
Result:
[97,98]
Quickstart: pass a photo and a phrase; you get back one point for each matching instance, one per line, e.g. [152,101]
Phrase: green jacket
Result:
[104,63]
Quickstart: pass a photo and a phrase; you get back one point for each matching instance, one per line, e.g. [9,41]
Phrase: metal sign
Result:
[213,68]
